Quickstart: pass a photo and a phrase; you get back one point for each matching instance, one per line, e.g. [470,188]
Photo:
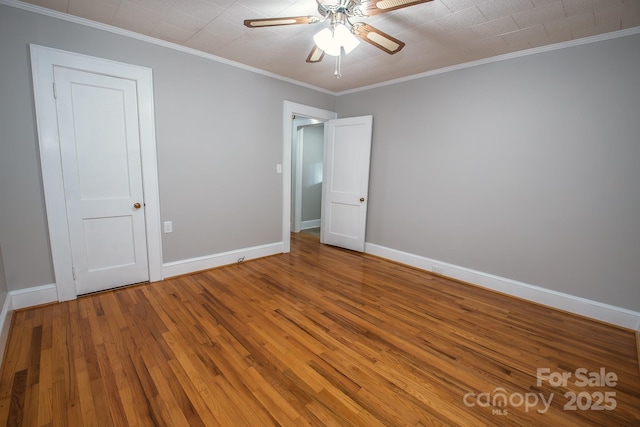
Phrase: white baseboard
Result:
[31,297]
[177,268]
[5,324]
[593,309]
[312,223]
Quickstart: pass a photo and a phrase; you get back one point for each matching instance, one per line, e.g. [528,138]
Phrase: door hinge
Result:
[55,92]
[73,272]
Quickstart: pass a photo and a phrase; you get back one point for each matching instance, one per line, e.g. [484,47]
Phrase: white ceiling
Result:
[437,34]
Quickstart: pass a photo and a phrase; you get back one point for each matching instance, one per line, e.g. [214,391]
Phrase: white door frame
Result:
[292,109]
[43,60]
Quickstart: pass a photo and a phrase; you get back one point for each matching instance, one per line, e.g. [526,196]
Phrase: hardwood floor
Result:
[320,336]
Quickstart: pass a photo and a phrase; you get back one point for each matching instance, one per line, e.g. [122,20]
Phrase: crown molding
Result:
[503,57]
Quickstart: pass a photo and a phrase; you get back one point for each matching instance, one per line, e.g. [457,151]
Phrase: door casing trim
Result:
[43,59]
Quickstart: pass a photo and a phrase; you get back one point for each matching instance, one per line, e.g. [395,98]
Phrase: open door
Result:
[346,182]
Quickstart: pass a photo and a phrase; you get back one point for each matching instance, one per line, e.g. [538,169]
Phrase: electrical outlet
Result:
[168,226]
[279,168]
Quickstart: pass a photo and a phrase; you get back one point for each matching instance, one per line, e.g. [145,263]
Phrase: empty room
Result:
[319,212]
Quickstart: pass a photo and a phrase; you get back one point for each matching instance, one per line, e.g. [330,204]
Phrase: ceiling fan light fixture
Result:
[324,40]
[331,42]
[345,38]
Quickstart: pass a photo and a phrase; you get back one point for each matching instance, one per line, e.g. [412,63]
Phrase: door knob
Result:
[137,205]
[362,199]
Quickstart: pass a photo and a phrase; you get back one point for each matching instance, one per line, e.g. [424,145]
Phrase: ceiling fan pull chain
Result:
[338,73]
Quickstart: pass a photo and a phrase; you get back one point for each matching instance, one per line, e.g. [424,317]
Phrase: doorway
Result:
[307,154]
[347,150]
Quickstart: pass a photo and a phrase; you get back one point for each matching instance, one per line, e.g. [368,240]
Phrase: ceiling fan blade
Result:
[375,7]
[377,38]
[273,22]
[315,55]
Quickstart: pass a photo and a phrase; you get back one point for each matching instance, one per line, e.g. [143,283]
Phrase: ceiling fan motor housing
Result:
[344,7]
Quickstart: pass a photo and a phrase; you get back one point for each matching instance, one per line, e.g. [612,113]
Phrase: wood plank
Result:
[15,416]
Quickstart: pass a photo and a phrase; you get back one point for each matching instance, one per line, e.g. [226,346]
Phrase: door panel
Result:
[101,142]
[109,242]
[346,182]
[100,152]
[346,173]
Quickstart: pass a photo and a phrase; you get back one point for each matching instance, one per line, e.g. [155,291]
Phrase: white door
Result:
[346,182]
[101,168]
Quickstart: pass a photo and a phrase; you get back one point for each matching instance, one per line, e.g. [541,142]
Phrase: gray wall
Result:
[312,154]
[527,168]
[219,137]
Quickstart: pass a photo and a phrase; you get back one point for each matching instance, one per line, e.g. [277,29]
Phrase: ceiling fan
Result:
[342,35]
